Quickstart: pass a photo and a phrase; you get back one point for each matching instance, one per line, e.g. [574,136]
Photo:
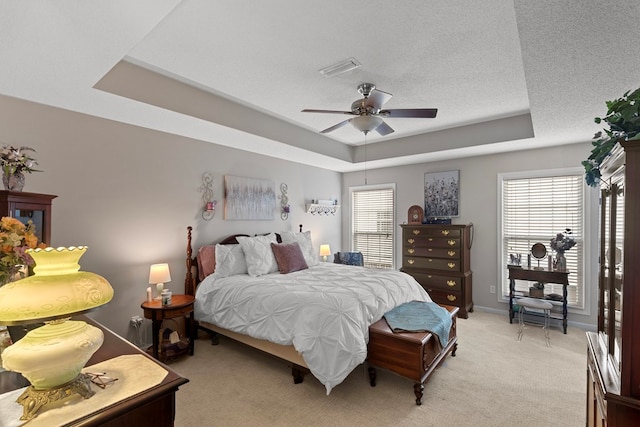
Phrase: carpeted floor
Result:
[494,380]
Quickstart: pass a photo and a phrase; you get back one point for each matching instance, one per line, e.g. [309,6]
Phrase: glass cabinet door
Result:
[617,272]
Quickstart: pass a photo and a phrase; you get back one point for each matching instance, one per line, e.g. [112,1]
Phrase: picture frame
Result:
[249,198]
[441,194]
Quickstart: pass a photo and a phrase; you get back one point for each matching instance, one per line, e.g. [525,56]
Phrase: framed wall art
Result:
[249,198]
[441,191]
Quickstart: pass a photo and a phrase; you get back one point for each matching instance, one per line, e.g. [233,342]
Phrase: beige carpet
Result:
[494,380]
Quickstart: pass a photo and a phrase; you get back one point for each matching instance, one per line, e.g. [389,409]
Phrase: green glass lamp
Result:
[52,356]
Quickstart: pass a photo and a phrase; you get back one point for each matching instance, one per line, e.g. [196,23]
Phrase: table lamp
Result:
[52,356]
[325,251]
[159,275]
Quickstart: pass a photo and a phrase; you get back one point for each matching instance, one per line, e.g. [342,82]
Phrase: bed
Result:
[314,315]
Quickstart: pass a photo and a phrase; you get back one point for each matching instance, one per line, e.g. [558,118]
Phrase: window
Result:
[372,224]
[535,207]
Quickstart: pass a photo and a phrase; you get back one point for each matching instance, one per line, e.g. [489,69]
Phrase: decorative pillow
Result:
[206,260]
[306,245]
[349,258]
[258,254]
[289,257]
[230,260]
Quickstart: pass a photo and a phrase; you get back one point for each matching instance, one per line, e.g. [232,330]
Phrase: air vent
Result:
[340,67]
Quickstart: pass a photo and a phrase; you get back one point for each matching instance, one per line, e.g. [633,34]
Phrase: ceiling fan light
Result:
[340,67]
[366,123]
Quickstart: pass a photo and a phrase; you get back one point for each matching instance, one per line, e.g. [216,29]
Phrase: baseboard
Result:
[579,325]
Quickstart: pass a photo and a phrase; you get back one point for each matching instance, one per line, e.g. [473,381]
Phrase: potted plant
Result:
[623,118]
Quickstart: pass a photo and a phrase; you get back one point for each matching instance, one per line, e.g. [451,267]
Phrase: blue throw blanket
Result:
[421,316]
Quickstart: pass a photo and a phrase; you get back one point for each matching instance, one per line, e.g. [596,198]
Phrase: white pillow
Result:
[258,254]
[306,245]
[229,261]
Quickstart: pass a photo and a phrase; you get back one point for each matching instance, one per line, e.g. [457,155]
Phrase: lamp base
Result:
[32,400]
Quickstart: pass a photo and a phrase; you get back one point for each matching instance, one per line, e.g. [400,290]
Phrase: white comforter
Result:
[324,311]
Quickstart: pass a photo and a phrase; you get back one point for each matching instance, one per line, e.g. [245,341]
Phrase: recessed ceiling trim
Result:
[340,67]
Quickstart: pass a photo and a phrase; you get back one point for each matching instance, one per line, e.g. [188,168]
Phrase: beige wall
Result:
[129,194]
[479,205]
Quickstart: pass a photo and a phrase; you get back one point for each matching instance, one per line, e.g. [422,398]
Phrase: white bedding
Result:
[324,311]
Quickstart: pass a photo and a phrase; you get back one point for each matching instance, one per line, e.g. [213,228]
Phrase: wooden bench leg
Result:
[372,376]
[418,388]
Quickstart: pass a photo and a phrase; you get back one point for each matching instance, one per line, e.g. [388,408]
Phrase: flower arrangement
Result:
[15,238]
[563,241]
[14,160]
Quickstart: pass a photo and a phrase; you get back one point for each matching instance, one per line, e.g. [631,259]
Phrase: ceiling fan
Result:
[368,111]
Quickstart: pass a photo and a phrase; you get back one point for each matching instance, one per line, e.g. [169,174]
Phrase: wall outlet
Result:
[492,289]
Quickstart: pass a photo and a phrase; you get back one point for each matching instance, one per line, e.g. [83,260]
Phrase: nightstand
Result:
[181,305]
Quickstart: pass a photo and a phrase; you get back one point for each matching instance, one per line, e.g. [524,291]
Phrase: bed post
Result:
[188,281]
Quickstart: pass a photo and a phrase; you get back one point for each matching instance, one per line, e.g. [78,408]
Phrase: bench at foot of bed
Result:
[413,355]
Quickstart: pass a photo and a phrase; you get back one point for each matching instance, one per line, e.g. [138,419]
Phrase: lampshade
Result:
[52,356]
[325,250]
[159,273]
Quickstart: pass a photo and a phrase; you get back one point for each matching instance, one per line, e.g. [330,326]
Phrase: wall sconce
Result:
[207,197]
[159,275]
[284,202]
[325,251]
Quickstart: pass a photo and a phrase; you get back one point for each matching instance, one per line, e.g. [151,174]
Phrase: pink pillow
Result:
[206,261]
[288,257]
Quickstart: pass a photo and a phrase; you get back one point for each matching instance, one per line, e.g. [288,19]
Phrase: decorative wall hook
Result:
[284,202]
[207,197]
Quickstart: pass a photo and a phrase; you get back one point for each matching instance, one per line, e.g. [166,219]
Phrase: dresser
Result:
[613,351]
[438,257]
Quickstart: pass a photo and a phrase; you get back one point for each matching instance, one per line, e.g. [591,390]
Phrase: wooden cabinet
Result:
[29,206]
[438,257]
[613,355]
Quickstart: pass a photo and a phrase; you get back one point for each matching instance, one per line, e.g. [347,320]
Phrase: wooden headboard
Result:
[191,279]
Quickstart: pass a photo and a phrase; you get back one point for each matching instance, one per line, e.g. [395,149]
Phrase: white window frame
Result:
[584,306]
[390,186]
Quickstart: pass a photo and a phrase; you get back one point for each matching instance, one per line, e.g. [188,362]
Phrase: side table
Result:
[181,305]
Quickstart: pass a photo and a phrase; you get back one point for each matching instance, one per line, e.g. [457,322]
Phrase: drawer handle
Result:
[411,241]
[452,265]
[429,276]
[410,261]
[416,232]
[451,298]
[411,250]
[452,253]
[430,260]
[430,250]
[445,232]
[451,242]
[451,283]
[430,239]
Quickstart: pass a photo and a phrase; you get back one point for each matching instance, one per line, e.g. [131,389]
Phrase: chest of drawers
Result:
[438,257]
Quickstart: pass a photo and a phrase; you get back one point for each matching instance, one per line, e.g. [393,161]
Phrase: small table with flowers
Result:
[544,276]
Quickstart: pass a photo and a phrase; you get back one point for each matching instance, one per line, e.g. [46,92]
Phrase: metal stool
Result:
[537,304]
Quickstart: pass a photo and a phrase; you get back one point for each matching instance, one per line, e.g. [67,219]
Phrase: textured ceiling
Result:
[505,75]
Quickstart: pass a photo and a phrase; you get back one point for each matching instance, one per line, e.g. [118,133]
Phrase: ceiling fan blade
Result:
[384,129]
[427,113]
[334,127]
[328,111]
[377,98]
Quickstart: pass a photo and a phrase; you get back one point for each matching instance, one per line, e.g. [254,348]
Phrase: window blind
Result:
[373,226]
[535,210]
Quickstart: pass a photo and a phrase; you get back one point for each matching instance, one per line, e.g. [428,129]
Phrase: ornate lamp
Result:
[52,356]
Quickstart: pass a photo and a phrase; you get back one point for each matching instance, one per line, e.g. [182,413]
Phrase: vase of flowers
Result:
[15,162]
[15,238]
[560,244]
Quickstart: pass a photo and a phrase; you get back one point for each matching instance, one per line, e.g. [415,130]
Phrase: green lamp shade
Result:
[57,288]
